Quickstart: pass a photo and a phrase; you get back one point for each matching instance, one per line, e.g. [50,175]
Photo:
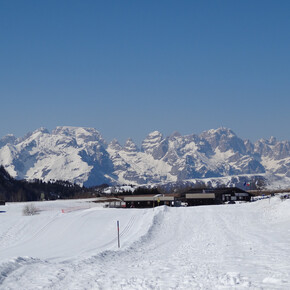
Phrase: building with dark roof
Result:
[197,196]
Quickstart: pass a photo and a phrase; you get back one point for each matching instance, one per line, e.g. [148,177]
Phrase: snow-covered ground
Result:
[73,245]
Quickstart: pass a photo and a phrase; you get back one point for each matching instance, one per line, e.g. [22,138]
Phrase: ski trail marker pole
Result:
[118,229]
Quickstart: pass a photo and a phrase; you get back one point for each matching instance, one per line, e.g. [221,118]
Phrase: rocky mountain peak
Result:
[175,135]
[272,140]
[41,130]
[155,135]
[224,139]
[8,139]
[152,141]
[218,134]
[80,155]
[130,146]
[81,135]
[115,145]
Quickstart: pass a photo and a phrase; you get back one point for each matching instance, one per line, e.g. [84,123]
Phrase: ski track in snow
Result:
[242,246]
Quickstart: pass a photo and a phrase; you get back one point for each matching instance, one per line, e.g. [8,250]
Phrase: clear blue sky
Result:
[127,68]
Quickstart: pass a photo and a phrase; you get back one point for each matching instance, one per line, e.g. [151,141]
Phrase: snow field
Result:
[241,246]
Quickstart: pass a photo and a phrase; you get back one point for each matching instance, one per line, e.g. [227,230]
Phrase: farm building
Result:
[144,201]
[215,195]
[192,197]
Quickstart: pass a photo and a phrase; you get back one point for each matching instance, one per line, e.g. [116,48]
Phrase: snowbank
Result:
[237,246]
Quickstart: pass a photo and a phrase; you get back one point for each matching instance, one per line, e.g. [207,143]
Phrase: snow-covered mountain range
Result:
[81,155]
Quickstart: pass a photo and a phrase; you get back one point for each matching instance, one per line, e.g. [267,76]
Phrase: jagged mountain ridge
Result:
[82,156]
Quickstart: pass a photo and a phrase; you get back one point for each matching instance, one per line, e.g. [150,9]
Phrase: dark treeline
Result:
[141,191]
[12,190]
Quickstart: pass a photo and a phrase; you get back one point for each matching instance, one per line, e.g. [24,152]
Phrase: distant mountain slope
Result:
[22,190]
[81,155]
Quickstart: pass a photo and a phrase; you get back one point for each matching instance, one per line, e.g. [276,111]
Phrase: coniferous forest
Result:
[12,190]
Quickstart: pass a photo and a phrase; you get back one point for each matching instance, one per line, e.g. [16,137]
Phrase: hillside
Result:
[241,246]
[22,190]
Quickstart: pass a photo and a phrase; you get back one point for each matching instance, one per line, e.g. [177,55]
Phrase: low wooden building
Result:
[207,196]
[192,197]
[144,201]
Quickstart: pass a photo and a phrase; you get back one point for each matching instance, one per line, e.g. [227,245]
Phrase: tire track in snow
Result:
[189,248]
[78,274]
[89,271]
[42,229]
[12,234]
[124,232]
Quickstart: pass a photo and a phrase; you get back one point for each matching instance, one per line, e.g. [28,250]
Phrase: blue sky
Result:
[128,68]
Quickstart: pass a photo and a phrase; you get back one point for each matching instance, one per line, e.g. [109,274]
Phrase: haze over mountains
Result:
[82,156]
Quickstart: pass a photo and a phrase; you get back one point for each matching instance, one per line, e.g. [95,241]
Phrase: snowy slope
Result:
[74,154]
[134,166]
[242,246]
